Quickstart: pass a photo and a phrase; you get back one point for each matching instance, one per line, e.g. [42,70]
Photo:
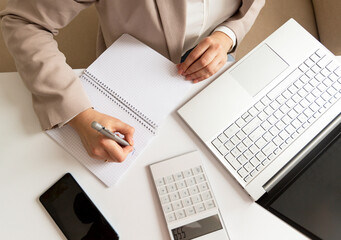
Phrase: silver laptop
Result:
[261,116]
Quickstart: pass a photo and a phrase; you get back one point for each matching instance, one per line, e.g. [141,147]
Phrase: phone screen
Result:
[74,212]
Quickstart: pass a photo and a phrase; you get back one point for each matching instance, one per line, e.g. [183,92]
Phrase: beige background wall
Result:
[77,41]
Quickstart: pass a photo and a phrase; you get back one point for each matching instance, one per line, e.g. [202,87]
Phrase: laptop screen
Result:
[312,201]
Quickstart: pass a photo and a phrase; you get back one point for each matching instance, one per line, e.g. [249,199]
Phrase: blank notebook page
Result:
[145,80]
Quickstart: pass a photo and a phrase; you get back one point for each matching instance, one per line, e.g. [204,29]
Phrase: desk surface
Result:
[30,162]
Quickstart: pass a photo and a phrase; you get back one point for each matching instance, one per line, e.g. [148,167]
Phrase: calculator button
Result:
[203,187]
[178,176]
[171,187]
[187,173]
[190,211]
[181,184]
[190,181]
[193,190]
[169,179]
[196,199]
[167,208]
[159,182]
[170,217]
[174,196]
[209,204]
[164,199]
[180,214]
[199,208]
[162,190]
[200,178]
[184,193]
[177,205]
[206,195]
[187,202]
[197,170]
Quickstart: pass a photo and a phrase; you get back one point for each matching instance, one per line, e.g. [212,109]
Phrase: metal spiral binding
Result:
[107,93]
[122,100]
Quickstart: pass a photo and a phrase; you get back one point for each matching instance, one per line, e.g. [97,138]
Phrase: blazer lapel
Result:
[173,18]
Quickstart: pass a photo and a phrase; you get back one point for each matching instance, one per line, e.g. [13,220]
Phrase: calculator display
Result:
[197,229]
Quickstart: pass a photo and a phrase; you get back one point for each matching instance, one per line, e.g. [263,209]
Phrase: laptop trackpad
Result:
[258,69]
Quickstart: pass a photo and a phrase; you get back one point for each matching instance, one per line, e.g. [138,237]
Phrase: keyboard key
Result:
[332,66]
[248,167]
[162,190]
[320,53]
[200,178]
[187,202]
[164,199]
[260,156]
[231,130]
[257,133]
[323,62]
[240,122]
[167,208]
[260,142]
[242,173]
[187,173]
[193,190]
[184,193]
[159,182]
[180,214]
[171,187]
[242,159]
[241,135]
[190,181]
[199,208]
[196,199]
[196,170]
[169,179]
[309,62]
[177,205]
[314,57]
[209,204]
[233,161]
[174,196]
[269,148]
[190,211]
[254,161]
[170,217]
[303,67]
[206,196]
[203,187]
[222,137]
[181,184]
[178,176]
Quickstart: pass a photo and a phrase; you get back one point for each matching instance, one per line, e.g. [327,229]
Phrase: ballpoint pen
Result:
[95,125]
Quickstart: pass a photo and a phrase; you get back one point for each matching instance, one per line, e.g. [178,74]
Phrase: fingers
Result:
[125,129]
[206,72]
[193,56]
[115,151]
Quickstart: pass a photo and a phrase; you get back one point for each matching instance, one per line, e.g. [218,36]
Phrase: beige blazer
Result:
[29,26]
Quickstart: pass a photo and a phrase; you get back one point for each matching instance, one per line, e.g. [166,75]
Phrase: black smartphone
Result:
[74,212]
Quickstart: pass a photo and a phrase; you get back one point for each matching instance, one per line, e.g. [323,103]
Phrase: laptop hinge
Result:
[305,151]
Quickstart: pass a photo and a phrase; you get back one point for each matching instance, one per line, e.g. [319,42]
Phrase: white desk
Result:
[30,162]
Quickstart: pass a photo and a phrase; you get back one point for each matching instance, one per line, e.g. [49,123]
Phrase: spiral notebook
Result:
[135,84]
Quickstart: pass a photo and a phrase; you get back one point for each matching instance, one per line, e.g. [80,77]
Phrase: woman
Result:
[171,27]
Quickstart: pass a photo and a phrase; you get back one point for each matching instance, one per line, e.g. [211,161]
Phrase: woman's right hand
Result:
[96,144]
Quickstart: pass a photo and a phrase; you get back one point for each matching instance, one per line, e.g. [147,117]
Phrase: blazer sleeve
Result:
[241,22]
[28,28]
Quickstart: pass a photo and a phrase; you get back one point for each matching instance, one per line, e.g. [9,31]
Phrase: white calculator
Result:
[187,200]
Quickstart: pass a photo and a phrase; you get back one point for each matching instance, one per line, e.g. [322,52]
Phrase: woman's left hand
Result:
[206,58]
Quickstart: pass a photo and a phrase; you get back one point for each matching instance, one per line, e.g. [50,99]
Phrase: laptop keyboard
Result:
[273,123]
